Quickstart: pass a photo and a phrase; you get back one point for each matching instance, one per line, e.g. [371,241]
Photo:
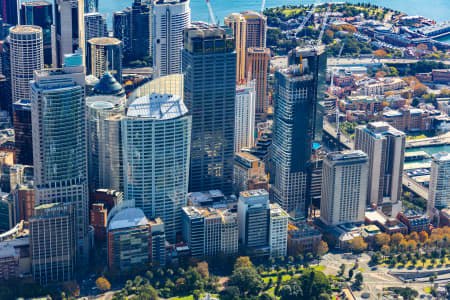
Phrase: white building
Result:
[27,55]
[344,187]
[156,152]
[94,26]
[170,17]
[244,129]
[439,191]
[278,231]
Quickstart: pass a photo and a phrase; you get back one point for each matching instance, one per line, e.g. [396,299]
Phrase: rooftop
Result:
[19,29]
[254,193]
[108,85]
[442,156]
[104,41]
[346,155]
[158,106]
[128,218]
[36,3]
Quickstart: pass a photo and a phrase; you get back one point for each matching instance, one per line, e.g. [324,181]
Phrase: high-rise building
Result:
[8,11]
[122,30]
[7,220]
[90,6]
[5,81]
[169,19]
[104,54]
[385,147]
[40,13]
[439,191]
[129,239]
[344,187]
[156,176]
[23,138]
[237,22]
[24,201]
[254,220]
[68,30]
[248,173]
[94,26]
[257,64]
[209,64]
[297,93]
[244,120]
[52,243]
[98,220]
[278,231]
[157,242]
[256,29]
[27,55]
[60,144]
[140,30]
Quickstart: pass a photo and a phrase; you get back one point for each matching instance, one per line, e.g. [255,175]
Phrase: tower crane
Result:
[211,14]
[262,6]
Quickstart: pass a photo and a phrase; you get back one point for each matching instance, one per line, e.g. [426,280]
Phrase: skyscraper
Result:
[140,30]
[344,188]
[59,142]
[23,138]
[9,11]
[169,19]
[40,13]
[385,147]
[122,30]
[69,29]
[439,191]
[237,22]
[90,6]
[27,55]
[156,176]
[244,133]
[94,26]
[257,64]
[297,93]
[104,54]
[209,64]
[256,29]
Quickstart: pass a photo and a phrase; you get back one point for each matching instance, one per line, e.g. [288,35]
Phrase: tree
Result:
[380,74]
[71,288]
[386,250]
[423,236]
[359,280]
[393,71]
[103,284]
[396,238]
[381,53]
[411,246]
[291,291]
[202,268]
[422,47]
[357,244]
[147,292]
[243,262]
[247,280]
[314,283]
[321,248]
[414,236]
[382,239]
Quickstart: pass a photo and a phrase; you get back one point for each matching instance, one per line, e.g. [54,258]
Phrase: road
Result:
[443,139]
[331,130]
[370,61]
[415,187]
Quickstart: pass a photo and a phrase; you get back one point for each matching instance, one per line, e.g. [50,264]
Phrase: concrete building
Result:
[244,128]
[104,54]
[256,29]
[237,22]
[129,239]
[23,139]
[257,64]
[170,18]
[210,95]
[302,238]
[52,243]
[385,147]
[278,231]
[60,144]
[24,201]
[15,259]
[156,177]
[94,26]
[158,242]
[254,222]
[26,48]
[439,191]
[248,173]
[344,187]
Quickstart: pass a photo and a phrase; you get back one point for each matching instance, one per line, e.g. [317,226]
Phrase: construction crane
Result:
[324,24]
[262,6]
[211,14]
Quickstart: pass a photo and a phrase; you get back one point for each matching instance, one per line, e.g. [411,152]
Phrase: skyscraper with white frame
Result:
[439,191]
[244,129]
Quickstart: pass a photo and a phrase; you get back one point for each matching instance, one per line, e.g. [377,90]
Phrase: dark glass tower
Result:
[121,29]
[297,121]
[140,30]
[23,132]
[8,11]
[40,13]
[209,65]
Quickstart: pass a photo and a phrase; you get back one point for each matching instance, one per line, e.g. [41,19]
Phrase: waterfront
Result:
[439,10]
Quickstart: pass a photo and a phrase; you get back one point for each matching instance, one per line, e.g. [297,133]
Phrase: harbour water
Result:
[438,10]
[430,150]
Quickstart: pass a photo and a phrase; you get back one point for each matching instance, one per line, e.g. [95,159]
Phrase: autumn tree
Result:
[396,238]
[243,262]
[380,74]
[422,47]
[414,236]
[386,250]
[423,236]
[71,288]
[358,244]
[203,269]
[411,246]
[380,53]
[103,284]
[321,248]
[382,239]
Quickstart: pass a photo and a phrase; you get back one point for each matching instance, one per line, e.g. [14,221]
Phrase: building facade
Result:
[94,26]
[439,191]
[278,231]
[104,54]
[23,139]
[140,30]
[257,64]
[248,173]
[244,132]
[256,29]
[237,22]
[122,30]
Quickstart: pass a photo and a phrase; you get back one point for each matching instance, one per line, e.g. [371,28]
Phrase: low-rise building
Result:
[415,220]
[15,259]
[302,238]
[387,224]
[248,173]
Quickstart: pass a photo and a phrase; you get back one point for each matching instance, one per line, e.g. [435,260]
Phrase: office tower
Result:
[24,201]
[244,120]
[156,177]
[5,81]
[385,147]
[26,48]
[5,93]
[254,217]
[140,29]
[203,228]
[90,6]
[8,11]
[40,13]
[104,54]
[68,29]
[237,22]
[344,187]
[209,64]
[7,220]
[52,243]
[169,19]
[98,217]
[439,190]
[23,138]
[297,91]
[122,31]
[278,231]
[101,151]
[257,64]
[109,198]
[157,242]
[128,239]
[256,29]
[248,173]
[94,26]
[59,142]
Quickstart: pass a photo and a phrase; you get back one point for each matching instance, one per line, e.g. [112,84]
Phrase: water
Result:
[438,10]
[430,150]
